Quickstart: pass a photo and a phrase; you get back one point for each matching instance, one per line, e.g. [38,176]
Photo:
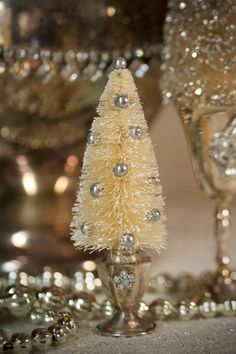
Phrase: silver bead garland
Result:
[71,65]
[82,305]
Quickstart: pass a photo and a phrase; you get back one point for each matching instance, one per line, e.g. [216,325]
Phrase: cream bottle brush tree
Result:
[120,202]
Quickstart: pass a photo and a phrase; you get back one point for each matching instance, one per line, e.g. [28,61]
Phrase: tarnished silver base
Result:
[125,278]
[125,326]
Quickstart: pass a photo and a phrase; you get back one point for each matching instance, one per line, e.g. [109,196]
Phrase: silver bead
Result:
[18,304]
[53,297]
[21,341]
[83,305]
[143,310]
[121,101]
[107,309]
[69,322]
[162,309]
[41,338]
[228,308]
[120,169]
[121,63]
[127,240]
[208,308]
[96,190]
[187,310]
[162,283]
[90,138]
[49,317]
[153,215]
[135,132]
[84,228]
[59,333]
[186,282]
[36,316]
[3,338]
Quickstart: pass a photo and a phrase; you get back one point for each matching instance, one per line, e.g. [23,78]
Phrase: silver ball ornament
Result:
[96,190]
[121,63]
[127,240]
[121,101]
[41,338]
[153,215]
[135,132]
[120,169]
[84,228]
[90,138]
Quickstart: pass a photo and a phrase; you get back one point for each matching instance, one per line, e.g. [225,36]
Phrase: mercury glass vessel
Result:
[54,57]
[198,76]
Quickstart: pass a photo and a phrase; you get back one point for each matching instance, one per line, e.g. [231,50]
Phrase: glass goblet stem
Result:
[222,232]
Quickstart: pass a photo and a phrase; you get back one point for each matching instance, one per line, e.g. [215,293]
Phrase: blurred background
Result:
[54,60]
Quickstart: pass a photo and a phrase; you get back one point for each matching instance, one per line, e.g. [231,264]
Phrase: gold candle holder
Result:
[125,277]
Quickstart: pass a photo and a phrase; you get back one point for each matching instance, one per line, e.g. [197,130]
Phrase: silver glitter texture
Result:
[84,228]
[121,101]
[135,132]
[127,240]
[96,190]
[124,280]
[199,63]
[121,63]
[219,149]
[90,138]
[153,215]
[120,169]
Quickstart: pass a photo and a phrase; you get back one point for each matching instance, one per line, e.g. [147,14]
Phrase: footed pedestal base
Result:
[125,325]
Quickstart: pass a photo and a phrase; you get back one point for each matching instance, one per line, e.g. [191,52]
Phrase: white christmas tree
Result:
[120,200]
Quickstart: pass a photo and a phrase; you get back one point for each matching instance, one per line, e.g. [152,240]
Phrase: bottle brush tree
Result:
[120,201]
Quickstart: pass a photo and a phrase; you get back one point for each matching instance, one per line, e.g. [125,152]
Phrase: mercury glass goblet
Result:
[198,75]
[54,59]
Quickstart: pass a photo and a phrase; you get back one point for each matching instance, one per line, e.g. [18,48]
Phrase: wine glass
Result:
[53,68]
[198,76]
